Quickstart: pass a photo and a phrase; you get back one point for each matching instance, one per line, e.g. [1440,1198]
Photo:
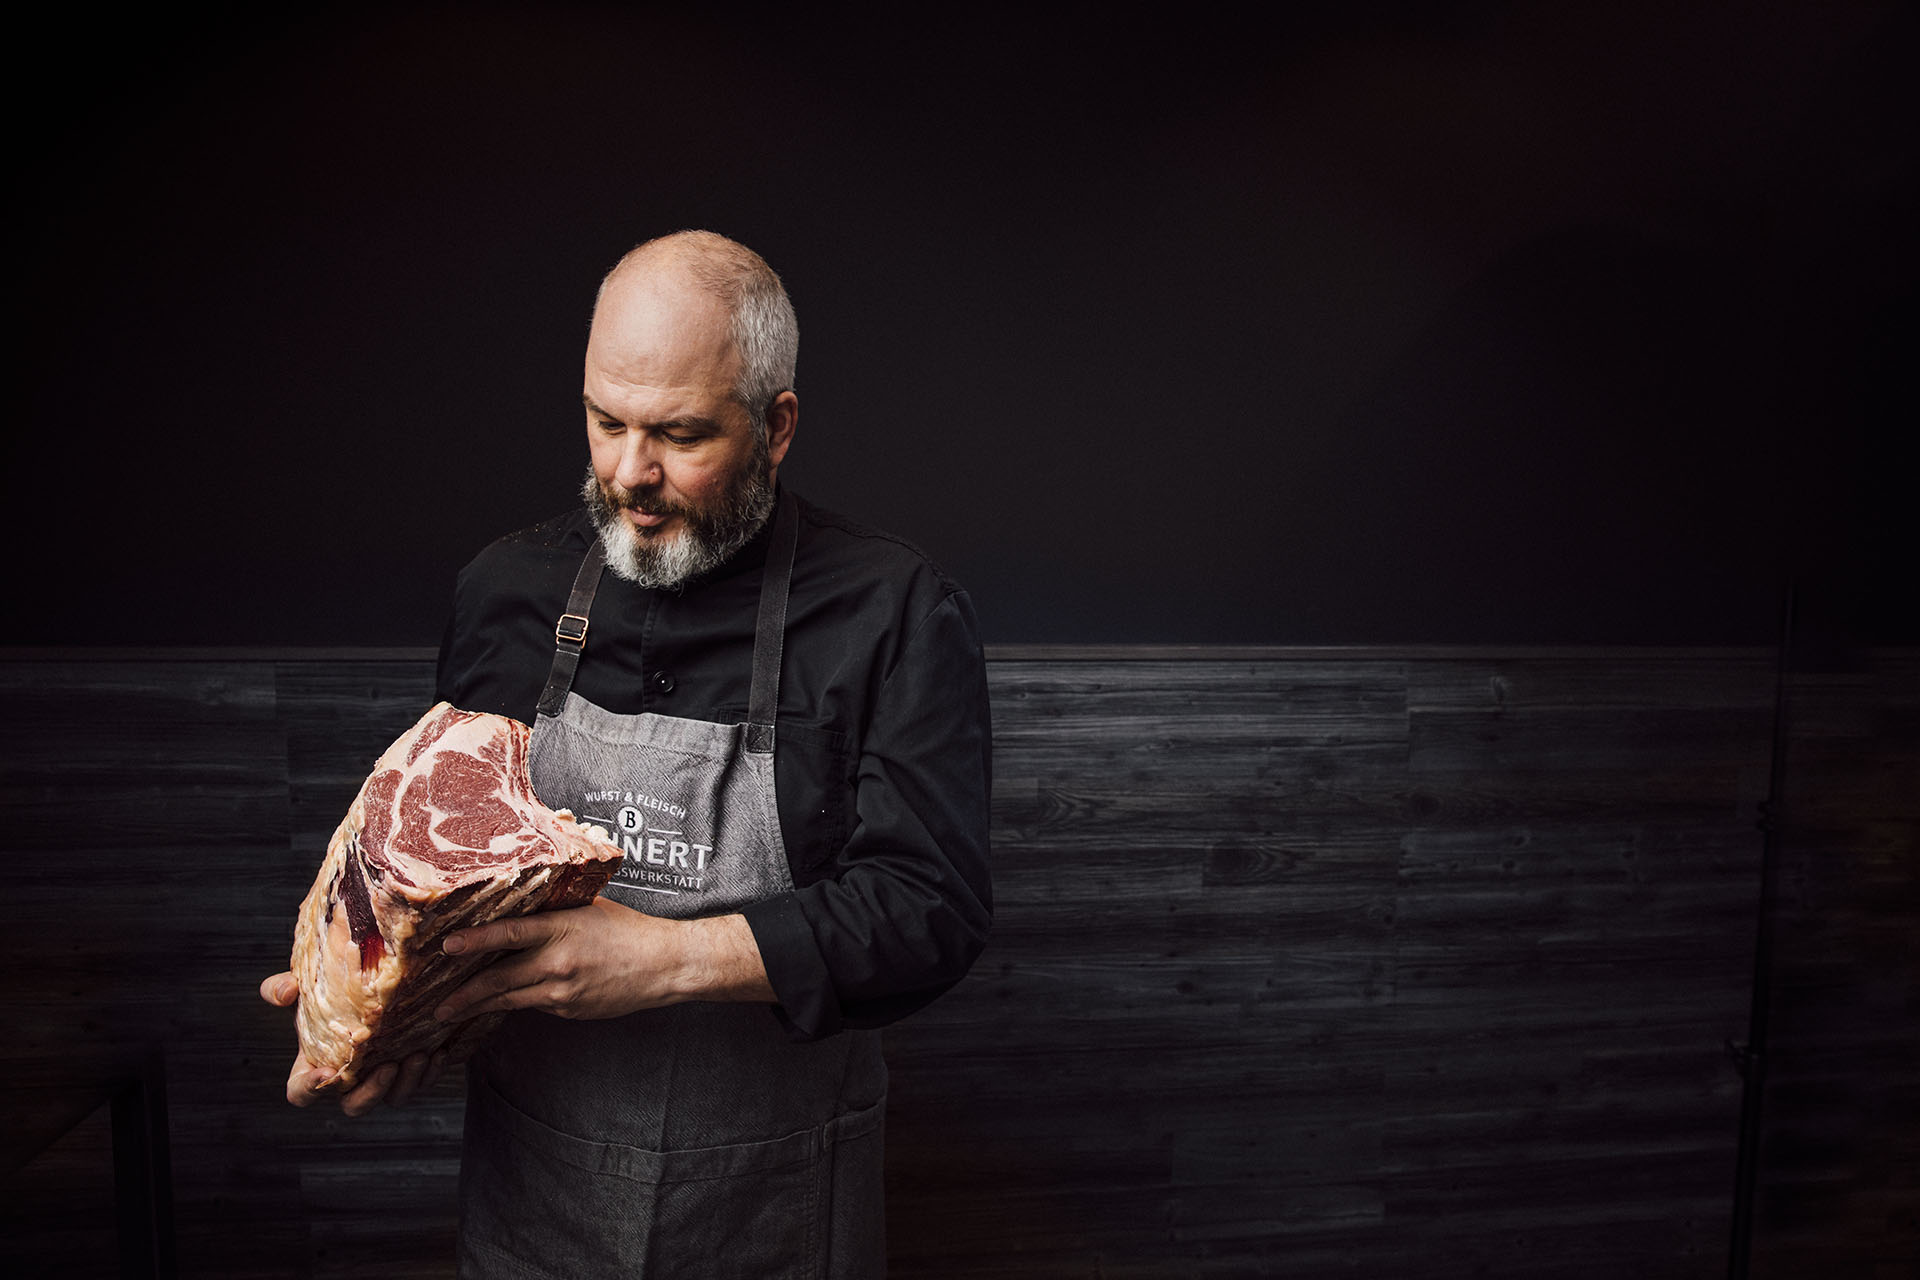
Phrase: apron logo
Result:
[659,856]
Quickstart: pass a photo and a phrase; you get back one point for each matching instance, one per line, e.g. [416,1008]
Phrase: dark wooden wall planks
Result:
[1840,1159]
[1362,961]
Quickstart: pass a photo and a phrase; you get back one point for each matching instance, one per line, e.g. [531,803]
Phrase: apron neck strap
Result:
[570,633]
[770,628]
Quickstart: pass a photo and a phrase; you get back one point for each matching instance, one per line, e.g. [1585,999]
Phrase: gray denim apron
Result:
[696,1140]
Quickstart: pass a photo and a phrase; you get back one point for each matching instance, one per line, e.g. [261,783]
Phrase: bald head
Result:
[752,306]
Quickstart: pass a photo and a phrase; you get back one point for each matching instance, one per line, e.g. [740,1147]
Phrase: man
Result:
[783,717]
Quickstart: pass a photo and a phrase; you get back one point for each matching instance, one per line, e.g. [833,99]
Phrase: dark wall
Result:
[1427,322]
[1373,963]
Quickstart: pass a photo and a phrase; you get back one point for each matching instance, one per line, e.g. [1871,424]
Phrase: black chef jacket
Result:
[882,752]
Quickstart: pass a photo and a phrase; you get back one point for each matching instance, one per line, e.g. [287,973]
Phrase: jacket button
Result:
[663,681]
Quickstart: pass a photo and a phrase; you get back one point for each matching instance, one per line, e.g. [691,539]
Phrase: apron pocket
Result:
[539,1204]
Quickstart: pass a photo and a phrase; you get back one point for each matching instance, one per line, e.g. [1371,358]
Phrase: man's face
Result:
[679,479]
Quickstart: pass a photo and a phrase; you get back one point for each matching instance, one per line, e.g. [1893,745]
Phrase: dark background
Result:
[1461,323]
[1368,323]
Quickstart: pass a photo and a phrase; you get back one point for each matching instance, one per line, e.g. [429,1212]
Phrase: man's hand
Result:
[392,1082]
[604,960]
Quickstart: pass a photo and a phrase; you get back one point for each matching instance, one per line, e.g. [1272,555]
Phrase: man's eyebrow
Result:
[712,426]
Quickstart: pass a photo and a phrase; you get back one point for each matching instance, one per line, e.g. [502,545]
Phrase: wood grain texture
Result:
[1330,962]
[1840,1156]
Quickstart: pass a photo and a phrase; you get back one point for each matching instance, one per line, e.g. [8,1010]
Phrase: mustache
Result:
[645,503]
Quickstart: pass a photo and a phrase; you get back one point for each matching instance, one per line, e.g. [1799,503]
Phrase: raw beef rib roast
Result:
[445,833]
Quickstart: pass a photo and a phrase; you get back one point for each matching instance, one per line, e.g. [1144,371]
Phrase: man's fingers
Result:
[281,989]
[495,989]
[516,934]
[519,998]
[411,1076]
[304,1081]
[471,1002]
[366,1095]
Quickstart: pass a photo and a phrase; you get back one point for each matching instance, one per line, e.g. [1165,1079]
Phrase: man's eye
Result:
[608,426]
[671,438]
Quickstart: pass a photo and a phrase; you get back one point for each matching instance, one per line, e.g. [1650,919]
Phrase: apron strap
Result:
[570,633]
[769,632]
[770,629]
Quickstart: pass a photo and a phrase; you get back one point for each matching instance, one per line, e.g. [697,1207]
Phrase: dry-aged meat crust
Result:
[444,834]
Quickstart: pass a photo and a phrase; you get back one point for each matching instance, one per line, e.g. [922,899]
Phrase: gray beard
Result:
[708,536]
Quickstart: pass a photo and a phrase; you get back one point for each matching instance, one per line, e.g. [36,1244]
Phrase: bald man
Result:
[782,717]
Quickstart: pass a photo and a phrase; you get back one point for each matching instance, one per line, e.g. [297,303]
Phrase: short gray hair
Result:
[765,331]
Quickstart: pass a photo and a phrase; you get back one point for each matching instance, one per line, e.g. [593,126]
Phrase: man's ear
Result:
[783,415]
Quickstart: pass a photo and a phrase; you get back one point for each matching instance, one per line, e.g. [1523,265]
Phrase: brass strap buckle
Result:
[575,635]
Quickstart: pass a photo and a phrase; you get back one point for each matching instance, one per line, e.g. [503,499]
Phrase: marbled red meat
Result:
[446,832]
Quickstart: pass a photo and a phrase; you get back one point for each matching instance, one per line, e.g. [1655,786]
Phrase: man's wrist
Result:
[719,960]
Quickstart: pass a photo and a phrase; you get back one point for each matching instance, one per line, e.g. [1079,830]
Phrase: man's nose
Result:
[638,468]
